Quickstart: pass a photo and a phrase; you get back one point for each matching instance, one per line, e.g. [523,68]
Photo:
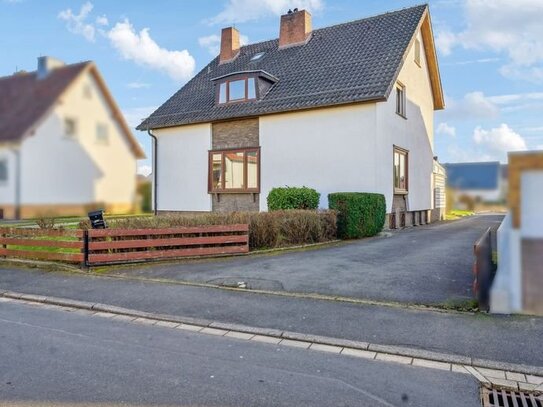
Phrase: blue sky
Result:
[490,55]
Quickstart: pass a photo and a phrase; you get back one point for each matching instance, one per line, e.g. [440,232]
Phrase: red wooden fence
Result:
[106,246]
[57,244]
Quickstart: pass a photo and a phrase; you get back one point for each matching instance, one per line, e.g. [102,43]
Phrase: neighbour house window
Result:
[102,135]
[400,100]
[234,170]
[70,128]
[87,92]
[3,170]
[400,171]
[417,52]
[237,90]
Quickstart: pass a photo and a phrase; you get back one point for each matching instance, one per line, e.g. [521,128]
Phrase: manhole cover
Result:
[508,398]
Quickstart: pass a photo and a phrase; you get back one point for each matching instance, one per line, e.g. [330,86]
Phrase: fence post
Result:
[85,264]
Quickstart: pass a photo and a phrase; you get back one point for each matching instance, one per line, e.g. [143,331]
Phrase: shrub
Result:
[266,229]
[46,223]
[293,198]
[359,214]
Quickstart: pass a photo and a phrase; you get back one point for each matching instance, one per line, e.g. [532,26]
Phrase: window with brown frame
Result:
[234,170]
[400,171]
[237,90]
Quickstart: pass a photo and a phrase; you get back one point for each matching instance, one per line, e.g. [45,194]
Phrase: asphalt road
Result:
[65,357]
[429,264]
[515,339]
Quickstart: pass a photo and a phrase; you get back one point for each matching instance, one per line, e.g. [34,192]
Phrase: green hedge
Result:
[293,198]
[359,214]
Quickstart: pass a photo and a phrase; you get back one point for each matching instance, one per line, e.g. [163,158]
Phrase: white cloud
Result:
[134,116]
[444,128]
[76,23]
[145,170]
[513,28]
[474,105]
[138,85]
[102,20]
[497,142]
[245,10]
[143,50]
[213,43]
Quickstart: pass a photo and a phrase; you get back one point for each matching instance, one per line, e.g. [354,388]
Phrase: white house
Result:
[481,181]
[343,108]
[64,145]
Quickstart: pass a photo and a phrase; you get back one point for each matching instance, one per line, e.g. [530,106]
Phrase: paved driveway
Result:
[425,265]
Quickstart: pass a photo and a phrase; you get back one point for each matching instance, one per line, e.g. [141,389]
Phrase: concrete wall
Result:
[183,168]
[517,286]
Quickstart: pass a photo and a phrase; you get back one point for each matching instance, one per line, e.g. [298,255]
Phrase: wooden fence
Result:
[106,246]
[115,246]
[59,245]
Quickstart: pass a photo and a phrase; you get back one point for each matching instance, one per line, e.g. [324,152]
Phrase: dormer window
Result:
[244,86]
[237,90]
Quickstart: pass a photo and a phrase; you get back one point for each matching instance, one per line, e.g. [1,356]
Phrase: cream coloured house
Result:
[343,108]
[64,145]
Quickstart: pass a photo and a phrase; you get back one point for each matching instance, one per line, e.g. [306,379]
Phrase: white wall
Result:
[331,150]
[56,169]
[183,168]
[413,133]
[531,208]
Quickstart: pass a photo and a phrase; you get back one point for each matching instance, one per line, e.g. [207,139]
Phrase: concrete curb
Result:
[379,349]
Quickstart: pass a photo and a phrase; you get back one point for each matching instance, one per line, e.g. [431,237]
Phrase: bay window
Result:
[234,170]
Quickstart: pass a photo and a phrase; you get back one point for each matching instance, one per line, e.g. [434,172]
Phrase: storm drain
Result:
[508,398]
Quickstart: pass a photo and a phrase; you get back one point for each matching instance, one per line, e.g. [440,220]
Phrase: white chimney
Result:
[46,65]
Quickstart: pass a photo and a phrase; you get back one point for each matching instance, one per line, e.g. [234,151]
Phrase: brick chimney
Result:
[295,28]
[229,45]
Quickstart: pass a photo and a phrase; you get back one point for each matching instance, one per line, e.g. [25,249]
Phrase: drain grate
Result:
[508,398]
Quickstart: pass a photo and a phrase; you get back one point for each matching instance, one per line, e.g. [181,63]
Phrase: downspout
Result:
[155,166]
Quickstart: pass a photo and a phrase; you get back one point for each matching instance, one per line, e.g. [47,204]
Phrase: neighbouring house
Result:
[348,107]
[518,283]
[440,191]
[64,144]
[478,182]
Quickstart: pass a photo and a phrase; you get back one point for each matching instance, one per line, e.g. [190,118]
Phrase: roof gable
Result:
[347,63]
[26,100]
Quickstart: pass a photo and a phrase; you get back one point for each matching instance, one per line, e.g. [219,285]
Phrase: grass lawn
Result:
[457,214]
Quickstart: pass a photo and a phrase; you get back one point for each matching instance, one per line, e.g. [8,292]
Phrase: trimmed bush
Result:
[359,214]
[293,198]
[266,229]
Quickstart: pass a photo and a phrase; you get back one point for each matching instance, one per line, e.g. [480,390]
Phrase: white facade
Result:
[347,148]
[57,169]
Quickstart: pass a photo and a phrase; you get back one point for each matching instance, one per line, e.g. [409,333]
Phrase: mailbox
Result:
[97,219]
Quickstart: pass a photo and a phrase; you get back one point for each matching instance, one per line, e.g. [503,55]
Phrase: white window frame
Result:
[401,105]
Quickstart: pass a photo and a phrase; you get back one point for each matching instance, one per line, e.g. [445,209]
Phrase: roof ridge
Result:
[23,72]
[373,16]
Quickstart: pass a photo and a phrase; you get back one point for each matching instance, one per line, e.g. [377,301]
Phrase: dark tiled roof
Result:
[466,176]
[24,99]
[352,62]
